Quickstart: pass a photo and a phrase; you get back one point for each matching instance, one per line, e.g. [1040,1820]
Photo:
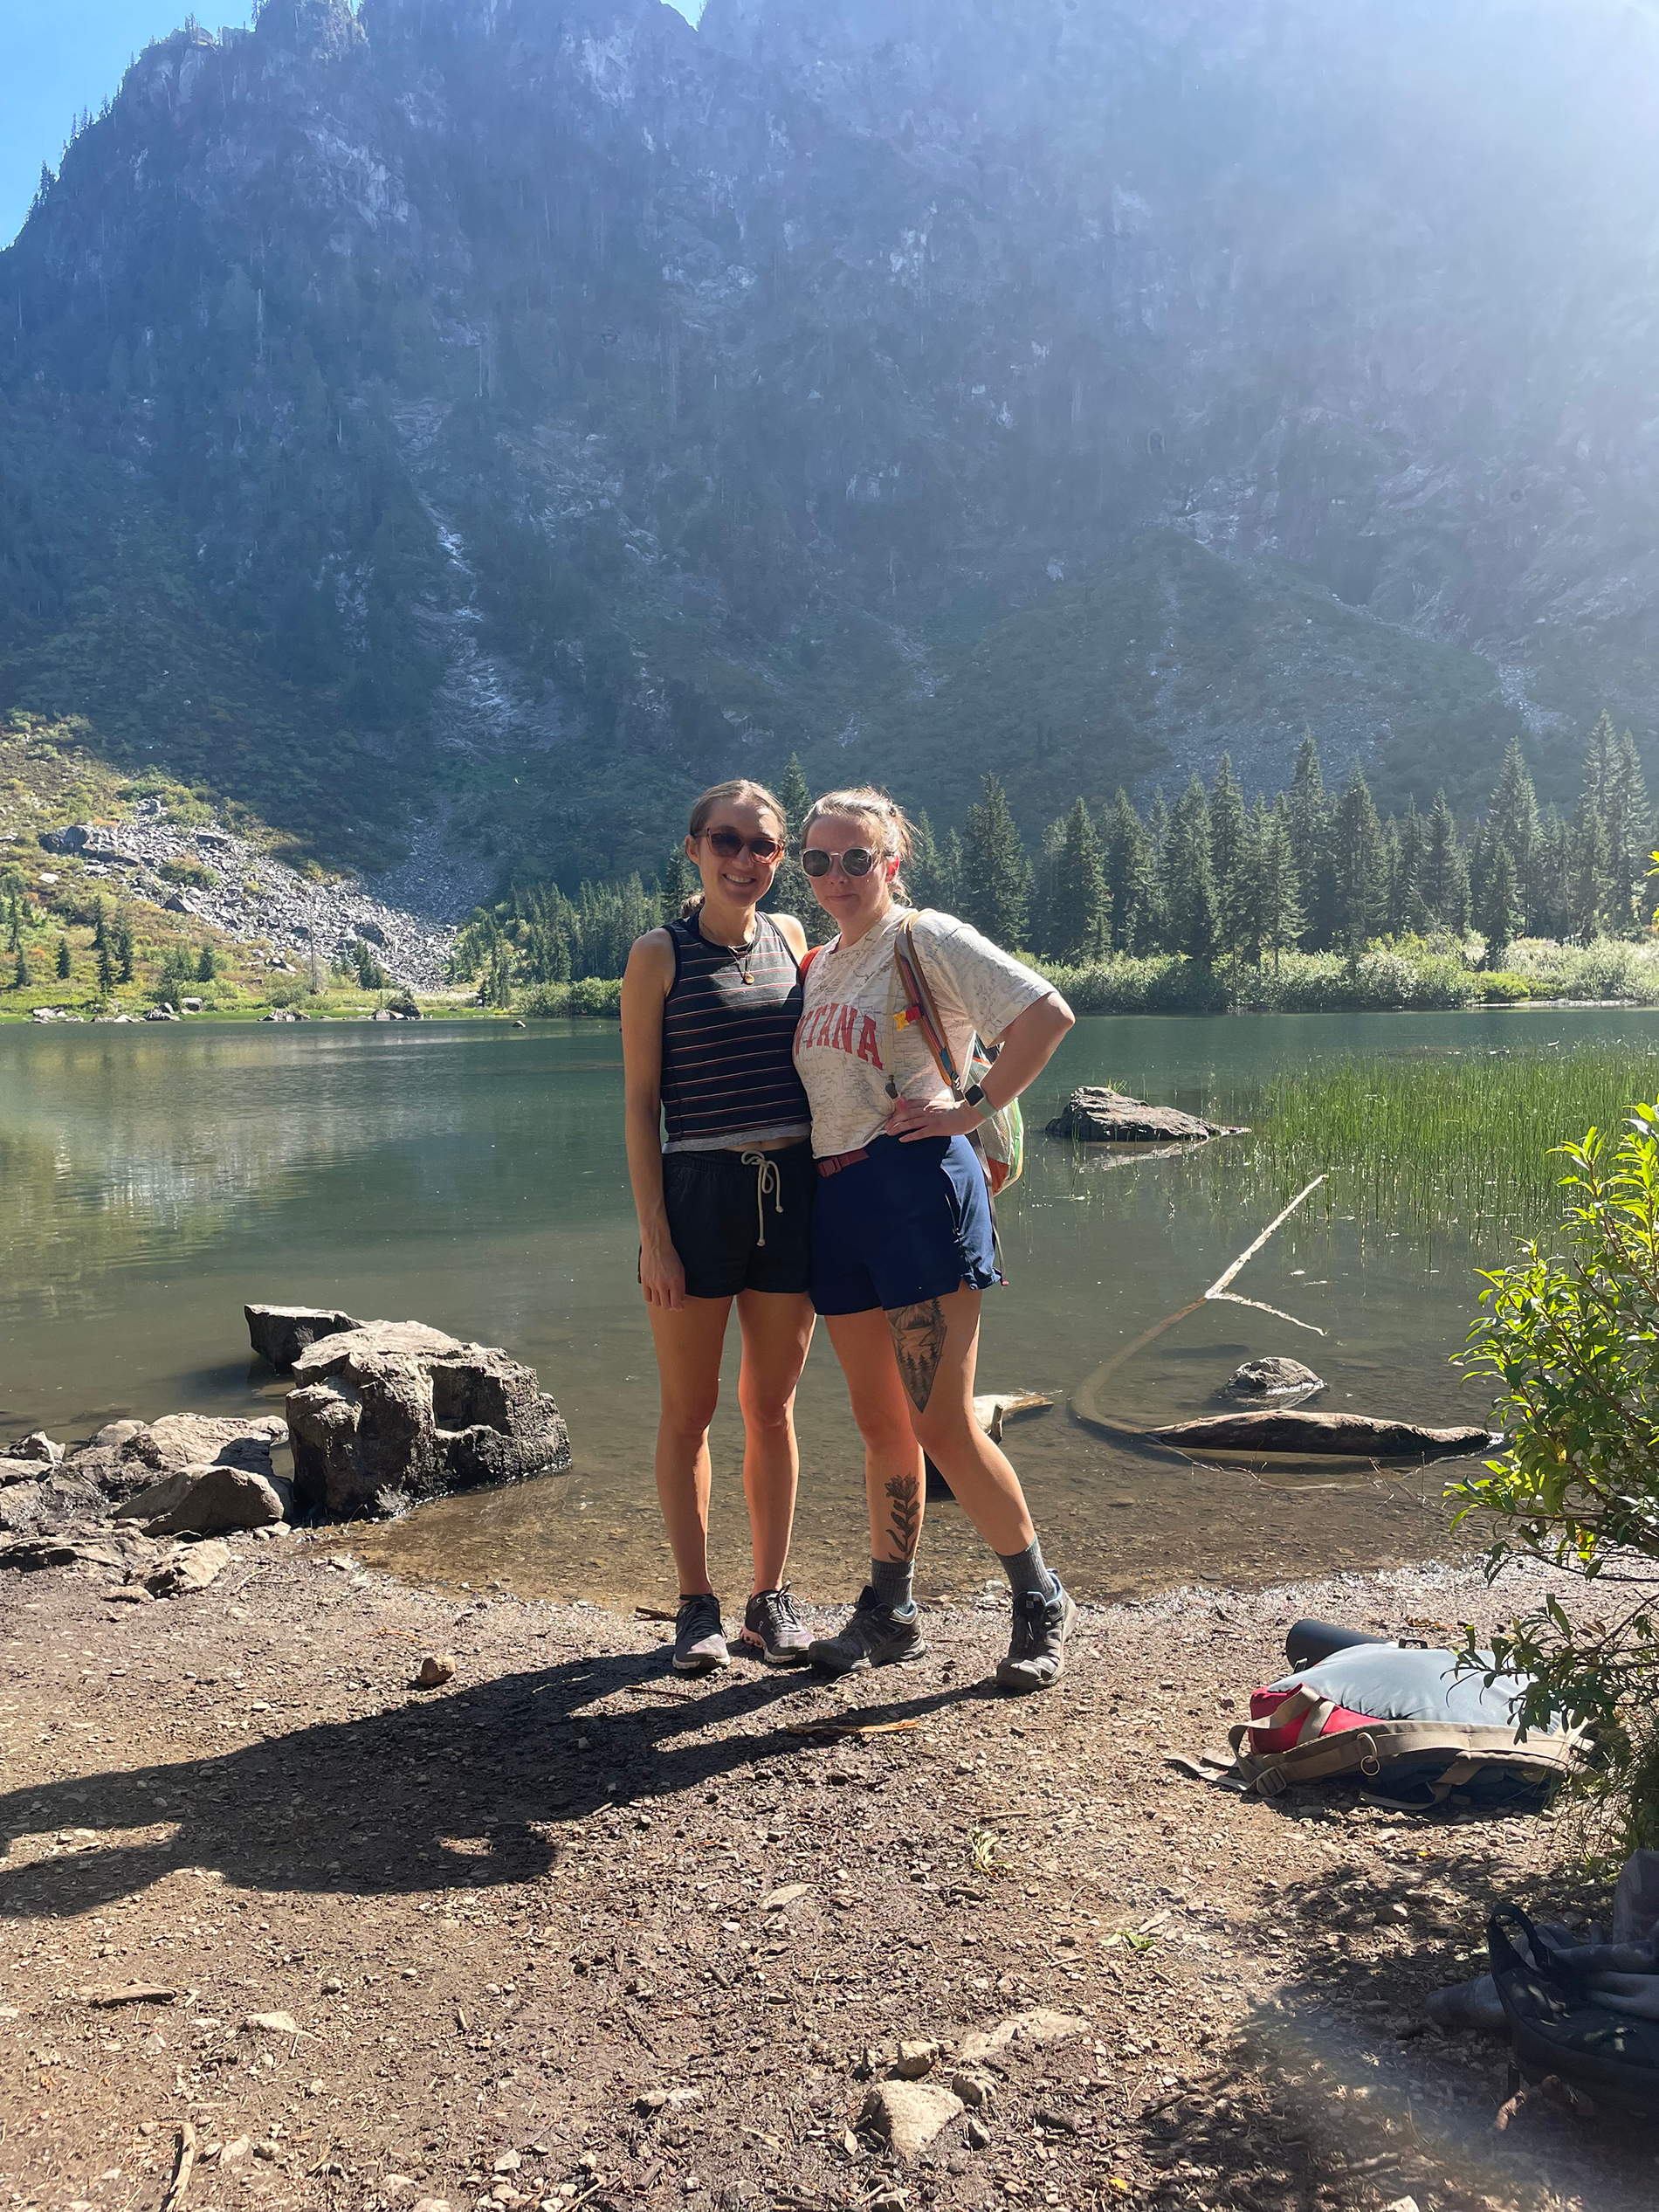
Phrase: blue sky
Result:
[60,56]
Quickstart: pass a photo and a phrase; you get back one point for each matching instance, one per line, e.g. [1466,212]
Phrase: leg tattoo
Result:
[904,1493]
[918,1341]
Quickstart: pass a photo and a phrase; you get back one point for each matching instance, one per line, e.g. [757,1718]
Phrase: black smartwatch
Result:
[974,1096]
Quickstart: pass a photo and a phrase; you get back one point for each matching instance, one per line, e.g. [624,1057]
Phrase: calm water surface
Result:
[151,1180]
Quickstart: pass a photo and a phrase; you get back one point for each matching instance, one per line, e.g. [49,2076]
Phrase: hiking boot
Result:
[772,1632]
[1036,1649]
[699,1641]
[875,1637]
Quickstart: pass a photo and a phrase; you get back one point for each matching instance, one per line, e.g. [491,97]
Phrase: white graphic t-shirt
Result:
[849,1045]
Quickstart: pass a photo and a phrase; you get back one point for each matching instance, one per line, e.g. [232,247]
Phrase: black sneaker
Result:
[1036,1649]
[875,1637]
[699,1640]
[772,1631]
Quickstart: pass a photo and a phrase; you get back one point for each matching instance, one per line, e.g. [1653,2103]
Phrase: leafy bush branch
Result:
[1571,1339]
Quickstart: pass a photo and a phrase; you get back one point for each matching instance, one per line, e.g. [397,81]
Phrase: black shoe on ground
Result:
[772,1631]
[699,1640]
[875,1637]
[1036,1649]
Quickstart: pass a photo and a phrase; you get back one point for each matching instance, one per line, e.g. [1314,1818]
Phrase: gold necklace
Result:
[742,953]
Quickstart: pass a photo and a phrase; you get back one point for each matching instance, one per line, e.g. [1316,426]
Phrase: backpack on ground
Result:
[1559,2022]
[1406,1725]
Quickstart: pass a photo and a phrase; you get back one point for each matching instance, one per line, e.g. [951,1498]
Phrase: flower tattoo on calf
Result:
[904,1495]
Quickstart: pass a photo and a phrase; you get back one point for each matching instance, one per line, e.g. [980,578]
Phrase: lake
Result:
[471,1176]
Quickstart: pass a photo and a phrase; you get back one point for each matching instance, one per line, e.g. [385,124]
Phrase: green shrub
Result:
[598,996]
[1503,987]
[189,872]
[1571,1340]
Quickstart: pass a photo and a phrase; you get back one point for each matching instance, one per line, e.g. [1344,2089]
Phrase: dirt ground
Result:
[569,1932]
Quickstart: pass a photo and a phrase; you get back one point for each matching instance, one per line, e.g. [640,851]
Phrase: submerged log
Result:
[1355,1435]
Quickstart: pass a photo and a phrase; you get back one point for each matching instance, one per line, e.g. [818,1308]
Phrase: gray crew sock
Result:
[891,1580]
[1025,1571]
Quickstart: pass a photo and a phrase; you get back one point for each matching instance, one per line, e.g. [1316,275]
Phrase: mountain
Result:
[514,413]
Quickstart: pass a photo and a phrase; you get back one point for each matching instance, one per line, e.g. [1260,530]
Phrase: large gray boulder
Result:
[1095,1116]
[210,1501]
[280,1333]
[394,1412]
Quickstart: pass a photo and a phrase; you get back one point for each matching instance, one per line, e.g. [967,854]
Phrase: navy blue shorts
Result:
[906,1223]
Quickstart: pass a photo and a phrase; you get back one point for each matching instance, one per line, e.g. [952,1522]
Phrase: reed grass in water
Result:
[1425,1144]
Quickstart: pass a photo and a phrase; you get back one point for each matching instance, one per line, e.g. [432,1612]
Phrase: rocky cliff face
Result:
[513,392]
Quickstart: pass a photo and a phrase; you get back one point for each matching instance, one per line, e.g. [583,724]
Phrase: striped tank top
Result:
[728,1042]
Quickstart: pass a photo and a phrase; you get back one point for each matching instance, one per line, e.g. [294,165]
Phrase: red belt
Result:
[833,1162]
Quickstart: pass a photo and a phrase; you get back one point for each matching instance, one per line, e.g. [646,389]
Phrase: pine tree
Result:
[1626,816]
[1157,924]
[1359,867]
[1046,928]
[1189,885]
[1445,870]
[997,886]
[100,926]
[1308,822]
[953,873]
[14,936]
[1513,817]
[1589,883]
[791,892]
[921,870]
[121,938]
[1499,914]
[20,973]
[1407,909]
[1127,863]
[1080,905]
[106,972]
[207,964]
[680,881]
[1278,917]
[63,960]
[1227,834]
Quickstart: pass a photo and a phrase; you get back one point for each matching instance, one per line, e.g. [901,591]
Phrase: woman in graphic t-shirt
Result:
[902,1243]
[723,1186]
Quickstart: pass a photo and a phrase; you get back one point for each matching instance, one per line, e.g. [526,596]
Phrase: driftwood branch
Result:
[180,2181]
[1352,1435]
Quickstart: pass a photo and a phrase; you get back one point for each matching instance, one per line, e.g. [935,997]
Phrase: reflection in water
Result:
[151,1181]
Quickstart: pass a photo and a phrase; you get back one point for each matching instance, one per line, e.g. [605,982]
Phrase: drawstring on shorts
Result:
[766,1179]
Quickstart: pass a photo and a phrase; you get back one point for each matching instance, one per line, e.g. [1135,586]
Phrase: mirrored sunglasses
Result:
[857,860]
[728,843]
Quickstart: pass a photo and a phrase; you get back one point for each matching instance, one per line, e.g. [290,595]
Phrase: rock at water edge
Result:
[398,1410]
[1272,1377]
[280,1333]
[1094,1115]
[210,1501]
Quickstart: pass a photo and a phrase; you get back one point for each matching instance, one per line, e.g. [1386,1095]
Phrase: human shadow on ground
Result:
[469,1788]
[1337,2082]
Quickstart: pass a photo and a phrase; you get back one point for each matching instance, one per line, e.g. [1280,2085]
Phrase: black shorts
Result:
[741,1222]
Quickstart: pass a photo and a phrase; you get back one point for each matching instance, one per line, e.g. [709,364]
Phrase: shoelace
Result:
[766,1179]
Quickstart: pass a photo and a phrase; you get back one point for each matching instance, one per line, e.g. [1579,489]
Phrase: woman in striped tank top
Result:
[721,1167]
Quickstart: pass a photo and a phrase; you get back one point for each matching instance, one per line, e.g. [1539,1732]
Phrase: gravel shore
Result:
[568,1932]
